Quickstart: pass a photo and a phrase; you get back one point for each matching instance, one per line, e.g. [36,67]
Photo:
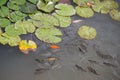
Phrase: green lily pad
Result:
[1,31]
[12,6]
[2,2]
[17,15]
[46,7]
[4,11]
[63,21]
[65,9]
[85,12]
[12,41]
[26,26]
[49,35]
[115,14]
[46,19]
[12,31]
[33,1]
[4,22]
[18,2]
[28,8]
[83,2]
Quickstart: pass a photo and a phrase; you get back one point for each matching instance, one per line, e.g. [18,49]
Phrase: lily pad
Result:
[12,6]
[18,2]
[12,41]
[115,14]
[12,31]
[2,2]
[46,7]
[63,21]
[1,31]
[28,8]
[87,32]
[65,9]
[26,26]
[4,11]
[33,1]
[4,22]
[85,12]
[49,35]
[82,2]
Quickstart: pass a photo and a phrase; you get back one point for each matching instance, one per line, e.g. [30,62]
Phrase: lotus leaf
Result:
[46,19]
[2,2]
[105,6]
[28,8]
[4,11]
[12,6]
[63,21]
[115,14]
[12,41]
[12,31]
[65,9]
[85,12]
[18,2]
[87,32]
[17,15]
[4,22]
[26,26]
[33,1]
[49,35]
[46,7]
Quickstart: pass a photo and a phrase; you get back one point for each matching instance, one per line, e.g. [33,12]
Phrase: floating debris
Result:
[104,56]
[79,68]
[109,64]
[92,70]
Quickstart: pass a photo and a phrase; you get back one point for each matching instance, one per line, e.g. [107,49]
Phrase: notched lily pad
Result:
[4,11]
[83,2]
[63,21]
[2,2]
[65,9]
[49,35]
[33,1]
[18,2]
[4,22]
[115,14]
[85,12]
[12,6]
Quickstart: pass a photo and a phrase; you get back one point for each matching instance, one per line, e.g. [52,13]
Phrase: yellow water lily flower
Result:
[87,32]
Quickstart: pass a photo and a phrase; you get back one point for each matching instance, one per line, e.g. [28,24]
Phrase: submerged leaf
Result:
[115,14]
[87,32]
[4,22]
[63,21]
[49,35]
[65,10]
[85,12]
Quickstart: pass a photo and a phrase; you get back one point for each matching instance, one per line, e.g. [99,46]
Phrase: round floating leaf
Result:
[33,1]
[11,31]
[4,11]
[28,8]
[2,2]
[87,32]
[115,14]
[12,6]
[26,26]
[85,12]
[49,35]
[4,22]
[47,7]
[12,41]
[65,9]
[63,21]
[18,2]
[83,3]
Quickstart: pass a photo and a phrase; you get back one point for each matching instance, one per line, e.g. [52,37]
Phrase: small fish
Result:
[77,21]
[40,61]
[82,48]
[40,70]
[104,56]
[92,70]
[79,68]
[51,59]
[92,61]
[109,64]
[54,47]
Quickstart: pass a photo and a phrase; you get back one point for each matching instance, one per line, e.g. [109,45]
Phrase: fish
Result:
[79,68]
[109,64]
[92,70]
[92,61]
[104,56]
[77,21]
[54,47]
[82,48]
[40,70]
